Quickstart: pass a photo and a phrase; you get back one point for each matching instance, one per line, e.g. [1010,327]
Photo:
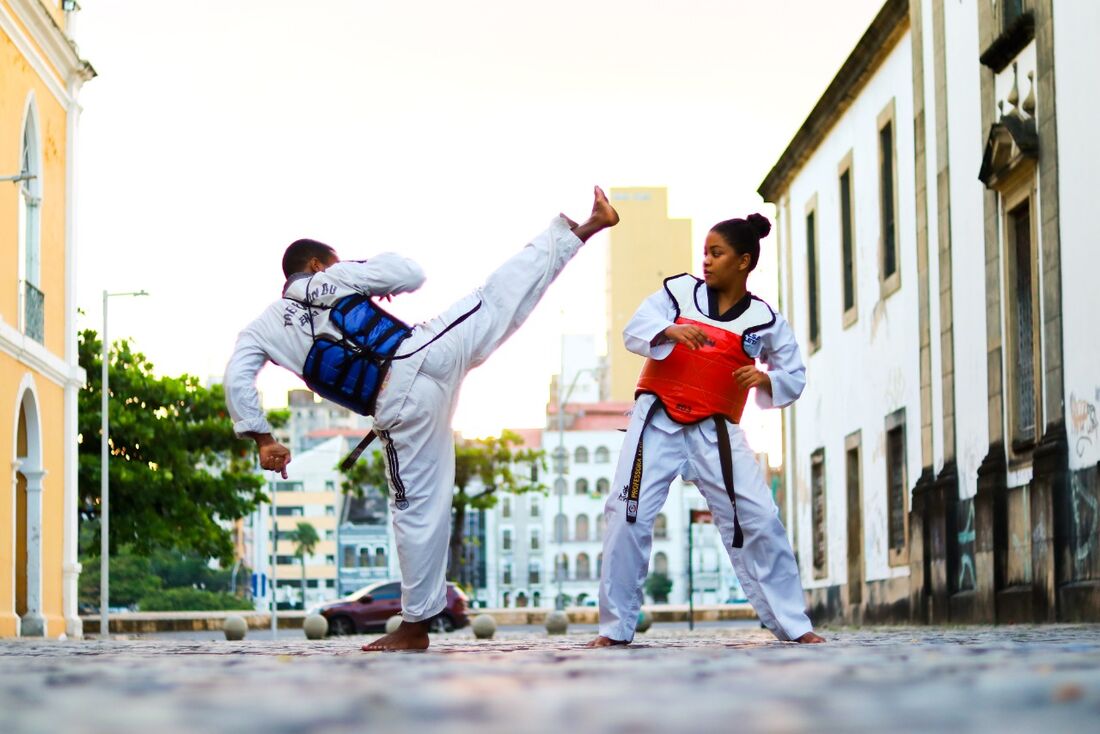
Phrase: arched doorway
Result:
[28,514]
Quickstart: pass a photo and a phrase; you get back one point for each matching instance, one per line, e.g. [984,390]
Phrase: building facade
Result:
[935,250]
[643,249]
[41,75]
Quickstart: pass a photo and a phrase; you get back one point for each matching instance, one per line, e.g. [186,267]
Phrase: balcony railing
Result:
[34,310]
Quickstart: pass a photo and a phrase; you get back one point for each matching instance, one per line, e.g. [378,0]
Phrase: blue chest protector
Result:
[350,371]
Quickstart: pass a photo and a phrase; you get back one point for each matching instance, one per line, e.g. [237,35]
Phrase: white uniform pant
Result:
[765,565]
[415,407]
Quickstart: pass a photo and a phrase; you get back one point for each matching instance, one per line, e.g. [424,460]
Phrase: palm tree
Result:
[306,538]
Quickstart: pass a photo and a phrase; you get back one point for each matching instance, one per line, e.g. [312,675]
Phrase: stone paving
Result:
[1005,679]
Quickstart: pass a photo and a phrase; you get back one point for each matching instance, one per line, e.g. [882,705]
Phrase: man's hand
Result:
[749,377]
[690,336]
[273,455]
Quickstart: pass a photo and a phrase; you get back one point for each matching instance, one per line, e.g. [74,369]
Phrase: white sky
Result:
[218,131]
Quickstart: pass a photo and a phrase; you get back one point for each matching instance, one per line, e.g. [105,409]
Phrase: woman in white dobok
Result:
[702,340]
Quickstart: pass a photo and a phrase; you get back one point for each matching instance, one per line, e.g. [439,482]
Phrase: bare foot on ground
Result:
[409,636]
[810,638]
[602,641]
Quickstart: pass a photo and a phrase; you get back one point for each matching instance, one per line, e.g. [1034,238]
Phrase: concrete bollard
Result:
[235,627]
[645,621]
[484,627]
[557,622]
[315,626]
[393,623]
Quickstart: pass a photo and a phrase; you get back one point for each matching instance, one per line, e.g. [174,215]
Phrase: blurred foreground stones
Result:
[1006,679]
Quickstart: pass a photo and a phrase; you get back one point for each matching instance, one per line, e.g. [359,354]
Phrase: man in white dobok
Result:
[329,329]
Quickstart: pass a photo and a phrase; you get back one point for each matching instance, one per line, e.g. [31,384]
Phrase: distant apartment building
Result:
[644,248]
[310,494]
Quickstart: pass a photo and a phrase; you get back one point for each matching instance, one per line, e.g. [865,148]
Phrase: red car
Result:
[367,610]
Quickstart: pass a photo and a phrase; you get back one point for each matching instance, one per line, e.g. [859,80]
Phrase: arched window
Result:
[506,598]
[603,487]
[660,563]
[660,526]
[580,456]
[30,188]
[601,526]
[603,456]
[560,484]
[582,528]
[599,565]
[505,505]
[364,553]
[584,572]
[534,512]
[506,577]
[561,528]
[582,486]
[379,553]
[536,599]
[506,539]
[534,575]
[561,567]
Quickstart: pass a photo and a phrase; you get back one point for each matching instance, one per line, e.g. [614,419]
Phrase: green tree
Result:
[305,537]
[499,464]
[178,473]
[658,586]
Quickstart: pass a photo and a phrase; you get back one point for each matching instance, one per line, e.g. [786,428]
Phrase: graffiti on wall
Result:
[1085,510]
[967,579]
[1083,424]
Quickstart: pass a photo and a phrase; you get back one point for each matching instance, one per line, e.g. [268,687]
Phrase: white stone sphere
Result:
[235,627]
[393,623]
[315,626]
[484,626]
[557,622]
[645,621]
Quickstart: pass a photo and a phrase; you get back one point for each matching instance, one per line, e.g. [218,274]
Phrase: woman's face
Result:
[722,266]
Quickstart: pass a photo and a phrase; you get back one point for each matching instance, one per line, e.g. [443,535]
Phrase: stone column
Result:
[33,623]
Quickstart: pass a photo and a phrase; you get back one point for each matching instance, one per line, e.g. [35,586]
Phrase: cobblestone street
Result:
[947,679]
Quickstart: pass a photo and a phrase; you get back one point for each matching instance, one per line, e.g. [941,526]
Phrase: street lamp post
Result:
[104,483]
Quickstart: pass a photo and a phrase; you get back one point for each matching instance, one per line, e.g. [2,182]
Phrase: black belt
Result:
[725,457]
[350,459]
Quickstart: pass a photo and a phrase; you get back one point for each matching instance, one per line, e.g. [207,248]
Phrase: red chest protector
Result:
[696,384]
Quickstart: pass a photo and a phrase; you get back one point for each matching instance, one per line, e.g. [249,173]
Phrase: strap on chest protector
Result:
[349,371]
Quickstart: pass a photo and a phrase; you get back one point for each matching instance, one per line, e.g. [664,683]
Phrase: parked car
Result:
[367,609]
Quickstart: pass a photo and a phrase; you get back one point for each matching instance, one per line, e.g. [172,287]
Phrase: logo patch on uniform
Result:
[402,504]
[751,344]
[632,508]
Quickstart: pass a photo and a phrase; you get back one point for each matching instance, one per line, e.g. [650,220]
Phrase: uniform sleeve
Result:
[644,333]
[785,368]
[241,397]
[388,274]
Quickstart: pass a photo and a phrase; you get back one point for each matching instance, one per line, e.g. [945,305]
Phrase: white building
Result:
[543,543]
[311,494]
[936,256]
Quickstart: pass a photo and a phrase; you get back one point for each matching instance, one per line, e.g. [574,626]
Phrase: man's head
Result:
[308,256]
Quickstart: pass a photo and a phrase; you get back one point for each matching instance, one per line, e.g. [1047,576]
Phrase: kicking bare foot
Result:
[810,638]
[603,216]
[602,641]
[409,636]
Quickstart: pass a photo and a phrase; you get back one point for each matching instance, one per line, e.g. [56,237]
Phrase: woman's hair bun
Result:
[760,225]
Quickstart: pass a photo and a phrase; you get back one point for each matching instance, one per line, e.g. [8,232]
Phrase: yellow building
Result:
[646,247]
[40,77]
